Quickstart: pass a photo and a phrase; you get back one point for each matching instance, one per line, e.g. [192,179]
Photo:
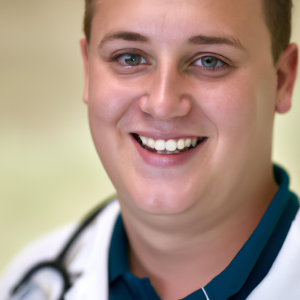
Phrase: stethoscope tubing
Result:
[58,264]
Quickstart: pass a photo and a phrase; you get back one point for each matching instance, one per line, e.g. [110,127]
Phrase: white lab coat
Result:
[90,257]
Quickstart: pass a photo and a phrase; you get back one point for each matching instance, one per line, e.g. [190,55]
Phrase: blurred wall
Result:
[49,171]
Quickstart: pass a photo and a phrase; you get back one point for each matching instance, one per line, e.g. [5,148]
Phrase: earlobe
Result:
[84,52]
[286,76]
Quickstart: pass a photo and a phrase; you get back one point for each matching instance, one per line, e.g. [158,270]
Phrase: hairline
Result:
[276,51]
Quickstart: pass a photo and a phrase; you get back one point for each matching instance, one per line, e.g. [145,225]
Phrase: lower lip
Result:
[163,160]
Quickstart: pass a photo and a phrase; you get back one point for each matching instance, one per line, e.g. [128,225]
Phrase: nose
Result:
[167,96]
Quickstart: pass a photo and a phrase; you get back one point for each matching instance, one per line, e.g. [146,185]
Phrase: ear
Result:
[84,52]
[286,76]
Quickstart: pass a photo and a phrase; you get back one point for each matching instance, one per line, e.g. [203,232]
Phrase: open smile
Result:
[170,146]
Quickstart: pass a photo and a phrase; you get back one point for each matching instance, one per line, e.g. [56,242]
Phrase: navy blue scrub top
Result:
[243,274]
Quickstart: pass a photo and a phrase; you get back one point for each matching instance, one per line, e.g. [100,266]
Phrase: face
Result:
[181,99]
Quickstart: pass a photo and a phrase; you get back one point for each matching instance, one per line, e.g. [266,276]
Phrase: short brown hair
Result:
[88,17]
[278,15]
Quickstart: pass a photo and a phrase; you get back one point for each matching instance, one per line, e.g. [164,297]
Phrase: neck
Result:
[181,253]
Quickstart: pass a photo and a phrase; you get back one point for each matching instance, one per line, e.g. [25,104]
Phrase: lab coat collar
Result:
[93,283]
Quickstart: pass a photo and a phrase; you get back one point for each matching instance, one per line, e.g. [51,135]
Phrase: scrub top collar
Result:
[118,262]
[280,214]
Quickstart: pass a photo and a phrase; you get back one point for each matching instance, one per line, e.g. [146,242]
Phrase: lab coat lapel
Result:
[93,283]
[283,279]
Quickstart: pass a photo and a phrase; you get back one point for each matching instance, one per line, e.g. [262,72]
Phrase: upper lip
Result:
[166,136]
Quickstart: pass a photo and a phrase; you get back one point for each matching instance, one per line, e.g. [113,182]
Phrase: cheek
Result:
[110,104]
[241,110]
[110,98]
[230,108]
[106,102]
[244,103]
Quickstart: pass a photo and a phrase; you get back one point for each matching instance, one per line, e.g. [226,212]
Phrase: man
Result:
[181,98]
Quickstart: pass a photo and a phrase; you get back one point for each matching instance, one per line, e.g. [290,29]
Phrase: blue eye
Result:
[209,62]
[132,60]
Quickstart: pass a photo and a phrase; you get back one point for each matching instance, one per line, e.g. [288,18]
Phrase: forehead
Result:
[172,19]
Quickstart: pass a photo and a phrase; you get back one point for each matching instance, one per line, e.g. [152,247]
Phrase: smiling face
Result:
[181,97]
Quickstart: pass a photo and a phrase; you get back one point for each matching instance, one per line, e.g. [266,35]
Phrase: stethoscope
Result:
[32,288]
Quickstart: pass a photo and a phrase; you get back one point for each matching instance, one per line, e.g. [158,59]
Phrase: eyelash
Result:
[116,57]
[225,65]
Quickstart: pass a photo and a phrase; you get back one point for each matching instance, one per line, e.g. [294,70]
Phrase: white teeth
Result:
[180,144]
[194,143]
[151,143]
[171,145]
[144,140]
[160,145]
[188,143]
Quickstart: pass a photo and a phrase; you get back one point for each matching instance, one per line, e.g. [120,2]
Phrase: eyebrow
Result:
[210,40]
[196,40]
[126,36]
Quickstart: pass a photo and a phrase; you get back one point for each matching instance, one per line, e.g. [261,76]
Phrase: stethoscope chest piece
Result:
[31,291]
[50,280]
[47,281]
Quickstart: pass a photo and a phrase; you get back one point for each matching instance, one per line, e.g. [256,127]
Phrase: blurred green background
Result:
[49,171]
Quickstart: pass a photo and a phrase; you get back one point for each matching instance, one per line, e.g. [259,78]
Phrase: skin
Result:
[179,214]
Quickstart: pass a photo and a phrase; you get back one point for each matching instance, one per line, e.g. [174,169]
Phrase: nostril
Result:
[143,104]
[186,105]
[165,107]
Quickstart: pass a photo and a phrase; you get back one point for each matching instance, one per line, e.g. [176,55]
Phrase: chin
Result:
[162,201]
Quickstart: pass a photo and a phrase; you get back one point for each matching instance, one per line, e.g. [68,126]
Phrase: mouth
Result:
[170,146]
